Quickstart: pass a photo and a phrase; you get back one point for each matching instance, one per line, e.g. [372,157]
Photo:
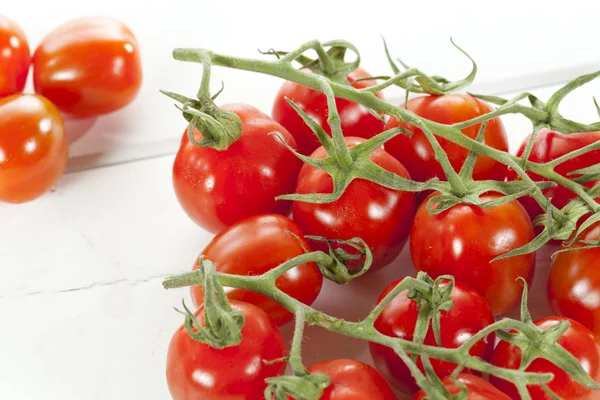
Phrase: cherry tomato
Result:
[574,283]
[469,314]
[463,240]
[415,152]
[239,250]
[198,371]
[550,145]
[88,67]
[355,118]
[477,388]
[33,147]
[352,380]
[218,188]
[15,58]
[380,216]
[577,340]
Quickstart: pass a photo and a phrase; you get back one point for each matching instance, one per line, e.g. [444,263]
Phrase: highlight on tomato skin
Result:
[356,120]
[477,388]
[255,168]
[33,147]
[198,371]
[574,282]
[239,250]
[88,66]
[15,57]
[577,340]
[469,314]
[453,243]
[415,152]
[382,217]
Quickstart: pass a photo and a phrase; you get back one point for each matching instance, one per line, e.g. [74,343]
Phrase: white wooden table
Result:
[82,311]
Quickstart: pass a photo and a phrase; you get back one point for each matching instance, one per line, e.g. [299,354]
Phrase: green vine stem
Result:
[365,330]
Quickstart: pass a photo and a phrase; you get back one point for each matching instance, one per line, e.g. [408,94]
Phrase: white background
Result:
[82,312]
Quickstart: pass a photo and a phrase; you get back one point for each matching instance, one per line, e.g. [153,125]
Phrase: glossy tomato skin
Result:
[240,250]
[477,388]
[352,380]
[197,371]
[469,314]
[577,340]
[453,242]
[380,216]
[415,152]
[355,118]
[88,67]
[218,188]
[15,58]
[550,145]
[33,147]
[574,283]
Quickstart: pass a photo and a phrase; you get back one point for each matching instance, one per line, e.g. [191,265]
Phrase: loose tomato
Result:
[462,241]
[33,147]
[415,152]
[380,216]
[15,58]
[352,380]
[469,314]
[198,371]
[477,388]
[218,188]
[356,119]
[577,340]
[550,145]
[239,250]
[574,283]
[88,67]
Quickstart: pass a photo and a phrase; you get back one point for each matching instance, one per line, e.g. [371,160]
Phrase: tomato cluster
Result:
[85,68]
[232,192]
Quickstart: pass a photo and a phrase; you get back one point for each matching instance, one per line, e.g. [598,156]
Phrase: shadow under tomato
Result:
[76,128]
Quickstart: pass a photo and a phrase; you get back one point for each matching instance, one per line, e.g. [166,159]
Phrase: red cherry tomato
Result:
[477,388]
[550,145]
[352,380]
[355,118]
[577,340]
[33,147]
[416,154]
[239,250]
[380,216]
[88,67]
[463,240]
[218,188]
[574,283]
[469,314]
[198,371]
[15,58]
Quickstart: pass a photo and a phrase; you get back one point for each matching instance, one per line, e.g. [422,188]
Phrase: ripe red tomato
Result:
[577,340]
[454,243]
[239,250]
[218,188]
[477,388]
[415,152]
[88,67]
[355,118]
[574,283]
[15,58]
[380,216]
[33,147]
[550,145]
[469,314]
[198,371]
[352,380]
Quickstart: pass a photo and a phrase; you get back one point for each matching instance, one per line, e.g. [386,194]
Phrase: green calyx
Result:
[336,269]
[222,326]
[308,387]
